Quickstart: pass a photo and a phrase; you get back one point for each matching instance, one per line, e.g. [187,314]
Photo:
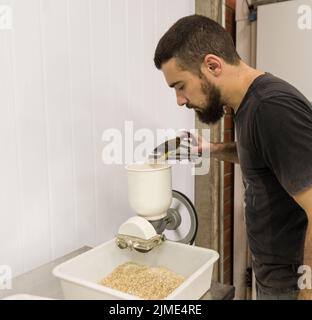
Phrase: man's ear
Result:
[212,64]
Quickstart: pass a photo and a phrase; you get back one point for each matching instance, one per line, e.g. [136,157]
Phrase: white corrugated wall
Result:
[69,69]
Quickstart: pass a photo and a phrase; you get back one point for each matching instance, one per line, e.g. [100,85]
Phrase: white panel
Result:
[81,109]
[54,18]
[136,61]
[98,20]
[149,108]
[178,9]
[282,47]
[161,13]
[31,132]
[108,101]
[11,252]
[100,79]
[116,174]
[134,55]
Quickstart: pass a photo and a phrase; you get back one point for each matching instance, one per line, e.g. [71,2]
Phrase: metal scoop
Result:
[178,148]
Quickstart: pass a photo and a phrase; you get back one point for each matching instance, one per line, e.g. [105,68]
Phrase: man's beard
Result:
[213,110]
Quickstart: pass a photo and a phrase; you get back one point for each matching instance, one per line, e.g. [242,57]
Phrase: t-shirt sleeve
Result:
[283,137]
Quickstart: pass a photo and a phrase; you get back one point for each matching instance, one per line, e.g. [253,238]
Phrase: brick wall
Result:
[229,168]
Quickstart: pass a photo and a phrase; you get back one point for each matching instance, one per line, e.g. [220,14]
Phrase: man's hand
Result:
[206,149]
[199,145]
[304,199]
[202,146]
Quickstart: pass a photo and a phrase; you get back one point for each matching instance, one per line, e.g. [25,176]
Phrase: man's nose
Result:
[181,101]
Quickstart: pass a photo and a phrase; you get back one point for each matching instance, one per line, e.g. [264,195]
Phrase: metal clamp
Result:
[141,245]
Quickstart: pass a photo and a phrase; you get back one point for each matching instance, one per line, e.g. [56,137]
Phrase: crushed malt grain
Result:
[150,283]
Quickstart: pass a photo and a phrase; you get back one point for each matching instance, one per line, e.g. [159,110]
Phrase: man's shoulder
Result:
[273,90]
[273,99]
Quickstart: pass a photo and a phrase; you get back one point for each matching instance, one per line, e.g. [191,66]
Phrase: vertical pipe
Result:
[240,252]
[253,44]
[221,168]
[253,63]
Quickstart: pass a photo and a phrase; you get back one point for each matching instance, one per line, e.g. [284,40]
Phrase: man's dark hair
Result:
[190,39]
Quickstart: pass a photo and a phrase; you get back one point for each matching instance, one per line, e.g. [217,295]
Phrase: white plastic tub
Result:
[81,275]
[25,296]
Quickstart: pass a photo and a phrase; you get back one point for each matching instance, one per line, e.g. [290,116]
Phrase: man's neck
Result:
[241,79]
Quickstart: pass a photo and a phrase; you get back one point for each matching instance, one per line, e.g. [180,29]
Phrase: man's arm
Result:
[304,199]
[219,151]
[224,152]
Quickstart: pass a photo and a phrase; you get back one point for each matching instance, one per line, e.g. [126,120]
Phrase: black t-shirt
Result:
[274,140]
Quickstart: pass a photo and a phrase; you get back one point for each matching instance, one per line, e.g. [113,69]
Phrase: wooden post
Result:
[207,187]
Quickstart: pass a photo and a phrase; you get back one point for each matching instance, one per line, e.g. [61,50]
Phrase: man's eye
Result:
[181,88]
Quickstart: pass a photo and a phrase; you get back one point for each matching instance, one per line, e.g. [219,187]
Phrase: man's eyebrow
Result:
[173,84]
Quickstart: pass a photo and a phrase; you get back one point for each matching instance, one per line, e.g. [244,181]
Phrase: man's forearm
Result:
[224,152]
